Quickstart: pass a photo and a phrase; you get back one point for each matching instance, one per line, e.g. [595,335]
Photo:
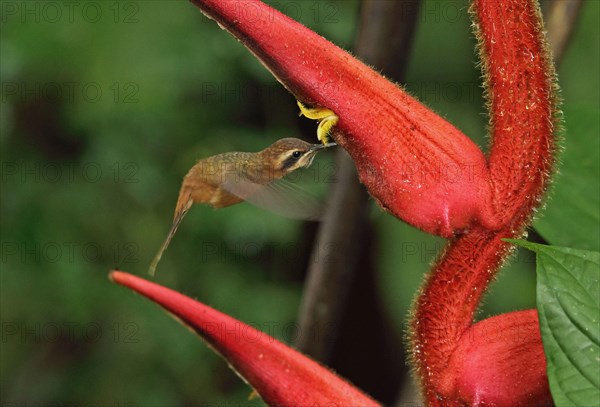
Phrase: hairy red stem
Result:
[521,94]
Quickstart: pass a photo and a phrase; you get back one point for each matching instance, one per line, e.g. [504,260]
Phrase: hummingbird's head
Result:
[289,154]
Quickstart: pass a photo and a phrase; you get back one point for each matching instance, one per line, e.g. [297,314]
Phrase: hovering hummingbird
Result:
[229,178]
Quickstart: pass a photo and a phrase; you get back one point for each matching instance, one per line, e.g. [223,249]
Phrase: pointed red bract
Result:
[281,375]
[413,162]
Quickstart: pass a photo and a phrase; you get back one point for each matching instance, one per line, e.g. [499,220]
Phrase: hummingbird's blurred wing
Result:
[281,197]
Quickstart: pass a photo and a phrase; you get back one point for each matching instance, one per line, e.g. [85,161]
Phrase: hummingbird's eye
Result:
[297,154]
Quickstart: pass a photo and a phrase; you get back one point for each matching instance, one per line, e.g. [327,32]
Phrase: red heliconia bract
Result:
[499,362]
[414,163]
[279,374]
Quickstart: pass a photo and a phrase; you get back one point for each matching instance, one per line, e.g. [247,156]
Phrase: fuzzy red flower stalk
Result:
[281,375]
[413,162]
[521,94]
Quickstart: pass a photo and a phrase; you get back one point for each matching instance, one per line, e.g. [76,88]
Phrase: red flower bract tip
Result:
[281,375]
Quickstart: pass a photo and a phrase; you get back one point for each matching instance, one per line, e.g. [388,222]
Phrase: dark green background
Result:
[89,183]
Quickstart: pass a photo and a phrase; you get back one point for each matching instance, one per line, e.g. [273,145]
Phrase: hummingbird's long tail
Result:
[176,221]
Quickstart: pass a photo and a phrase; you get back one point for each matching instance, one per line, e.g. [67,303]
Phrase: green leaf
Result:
[568,303]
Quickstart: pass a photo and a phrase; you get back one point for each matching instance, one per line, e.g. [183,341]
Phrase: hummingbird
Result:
[229,178]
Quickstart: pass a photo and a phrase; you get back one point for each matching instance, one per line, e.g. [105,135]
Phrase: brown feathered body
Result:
[228,178]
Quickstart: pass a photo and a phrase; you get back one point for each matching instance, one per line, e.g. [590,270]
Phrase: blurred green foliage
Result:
[105,106]
[572,218]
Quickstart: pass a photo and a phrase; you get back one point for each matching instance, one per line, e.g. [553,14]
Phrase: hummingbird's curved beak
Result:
[317,147]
